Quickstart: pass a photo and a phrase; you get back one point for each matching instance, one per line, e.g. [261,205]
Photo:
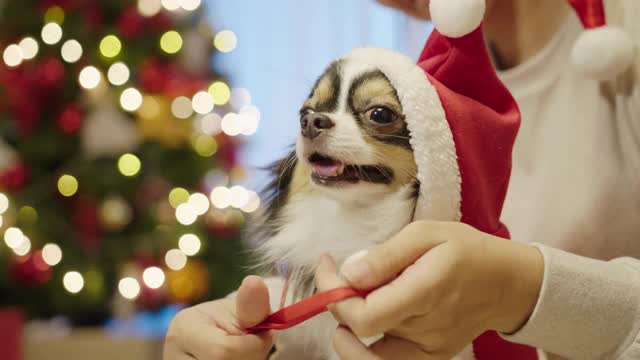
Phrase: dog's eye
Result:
[381,115]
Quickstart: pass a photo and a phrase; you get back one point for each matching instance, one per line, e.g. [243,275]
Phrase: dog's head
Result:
[353,139]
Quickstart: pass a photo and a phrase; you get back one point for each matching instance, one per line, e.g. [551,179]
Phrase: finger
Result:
[349,347]
[252,302]
[381,310]
[384,262]
[390,347]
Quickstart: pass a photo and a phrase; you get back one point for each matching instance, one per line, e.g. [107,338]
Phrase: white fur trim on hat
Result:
[603,52]
[457,18]
[431,138]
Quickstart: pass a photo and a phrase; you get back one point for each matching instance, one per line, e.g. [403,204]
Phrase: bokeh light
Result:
[54,14]
[253,203]
[67,185]
[220,92]
[90,77]
[4,203]
[175,259]
[221,197]
[202,102]
[110,46]
[199,202]
[71,51]
[190,5]
[51,33]
[239,196]
[181,107]
[24,248]
[12,55]
[153,277]
[240,97]
[129,165]
[150,107]
[131,99]
[225,41]
[205,145]
[13,237]
[118,73]
[171,5]
[27,215]
[186,214]
[178,196]
[209,124]
[29,47]
[51,254]
[73,282]
[189,244]
[129,288]
[231,125]
[248,119]
[171,42]
[149,8]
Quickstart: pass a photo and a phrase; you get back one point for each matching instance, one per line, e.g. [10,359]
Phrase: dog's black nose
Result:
[311,125]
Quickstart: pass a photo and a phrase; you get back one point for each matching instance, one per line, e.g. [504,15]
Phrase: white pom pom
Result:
[603,53]
[457,18]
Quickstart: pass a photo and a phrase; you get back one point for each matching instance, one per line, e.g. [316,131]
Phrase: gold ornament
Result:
[190,283]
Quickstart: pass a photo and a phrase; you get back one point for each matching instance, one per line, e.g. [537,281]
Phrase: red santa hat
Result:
[601,52]
[463,123]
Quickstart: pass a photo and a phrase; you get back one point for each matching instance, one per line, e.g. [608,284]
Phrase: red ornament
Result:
[30,270]
[87,226]
[14,177]
[131,23]
[154,75]
[70,119]
[50,73]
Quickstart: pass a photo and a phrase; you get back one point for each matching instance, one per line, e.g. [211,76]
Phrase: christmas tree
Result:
[118,157]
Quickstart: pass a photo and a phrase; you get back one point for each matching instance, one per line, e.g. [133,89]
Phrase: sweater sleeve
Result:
[587,309]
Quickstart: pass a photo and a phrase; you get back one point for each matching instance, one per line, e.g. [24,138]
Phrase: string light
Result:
[73,282]
[89,77]
[189,244]
[220,92]
[129,165]
[149,8]
[239,196]
[171,5]
[175,259]
[178,196]
[118,74]
[29,47]
[202,102]
[253,204]
[181,107]
[51,254]
[67,185]
[51,33]
[186,214]
[209,124]
[71,51]
[153,277]
[230,124]
[12,55]
[129,288]
[190,5]
[205,145]
[4,203]
[13,237]
[24,248]
[221,197]
[199,202]
[54,14]
[225,41]
[110,46]
[171,42]
[131,99]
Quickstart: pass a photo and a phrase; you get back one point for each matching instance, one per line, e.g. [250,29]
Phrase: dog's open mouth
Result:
[328,171]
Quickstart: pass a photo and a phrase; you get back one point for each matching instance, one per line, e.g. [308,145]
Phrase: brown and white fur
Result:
[349,184]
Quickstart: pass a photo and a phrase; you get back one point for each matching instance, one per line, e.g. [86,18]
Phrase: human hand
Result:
[454,283]
[213,330]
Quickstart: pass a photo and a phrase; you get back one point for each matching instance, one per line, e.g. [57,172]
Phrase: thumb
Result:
[382,263]
[252,302]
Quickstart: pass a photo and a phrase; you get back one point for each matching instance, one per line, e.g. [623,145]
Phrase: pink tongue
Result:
[327,170]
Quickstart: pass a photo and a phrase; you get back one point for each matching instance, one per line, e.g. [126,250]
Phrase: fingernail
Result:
[355,269]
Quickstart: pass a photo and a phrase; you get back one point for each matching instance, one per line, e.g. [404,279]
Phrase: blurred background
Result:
[133,134]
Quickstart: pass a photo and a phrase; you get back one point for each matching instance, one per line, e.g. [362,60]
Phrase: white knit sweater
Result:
[576,187]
